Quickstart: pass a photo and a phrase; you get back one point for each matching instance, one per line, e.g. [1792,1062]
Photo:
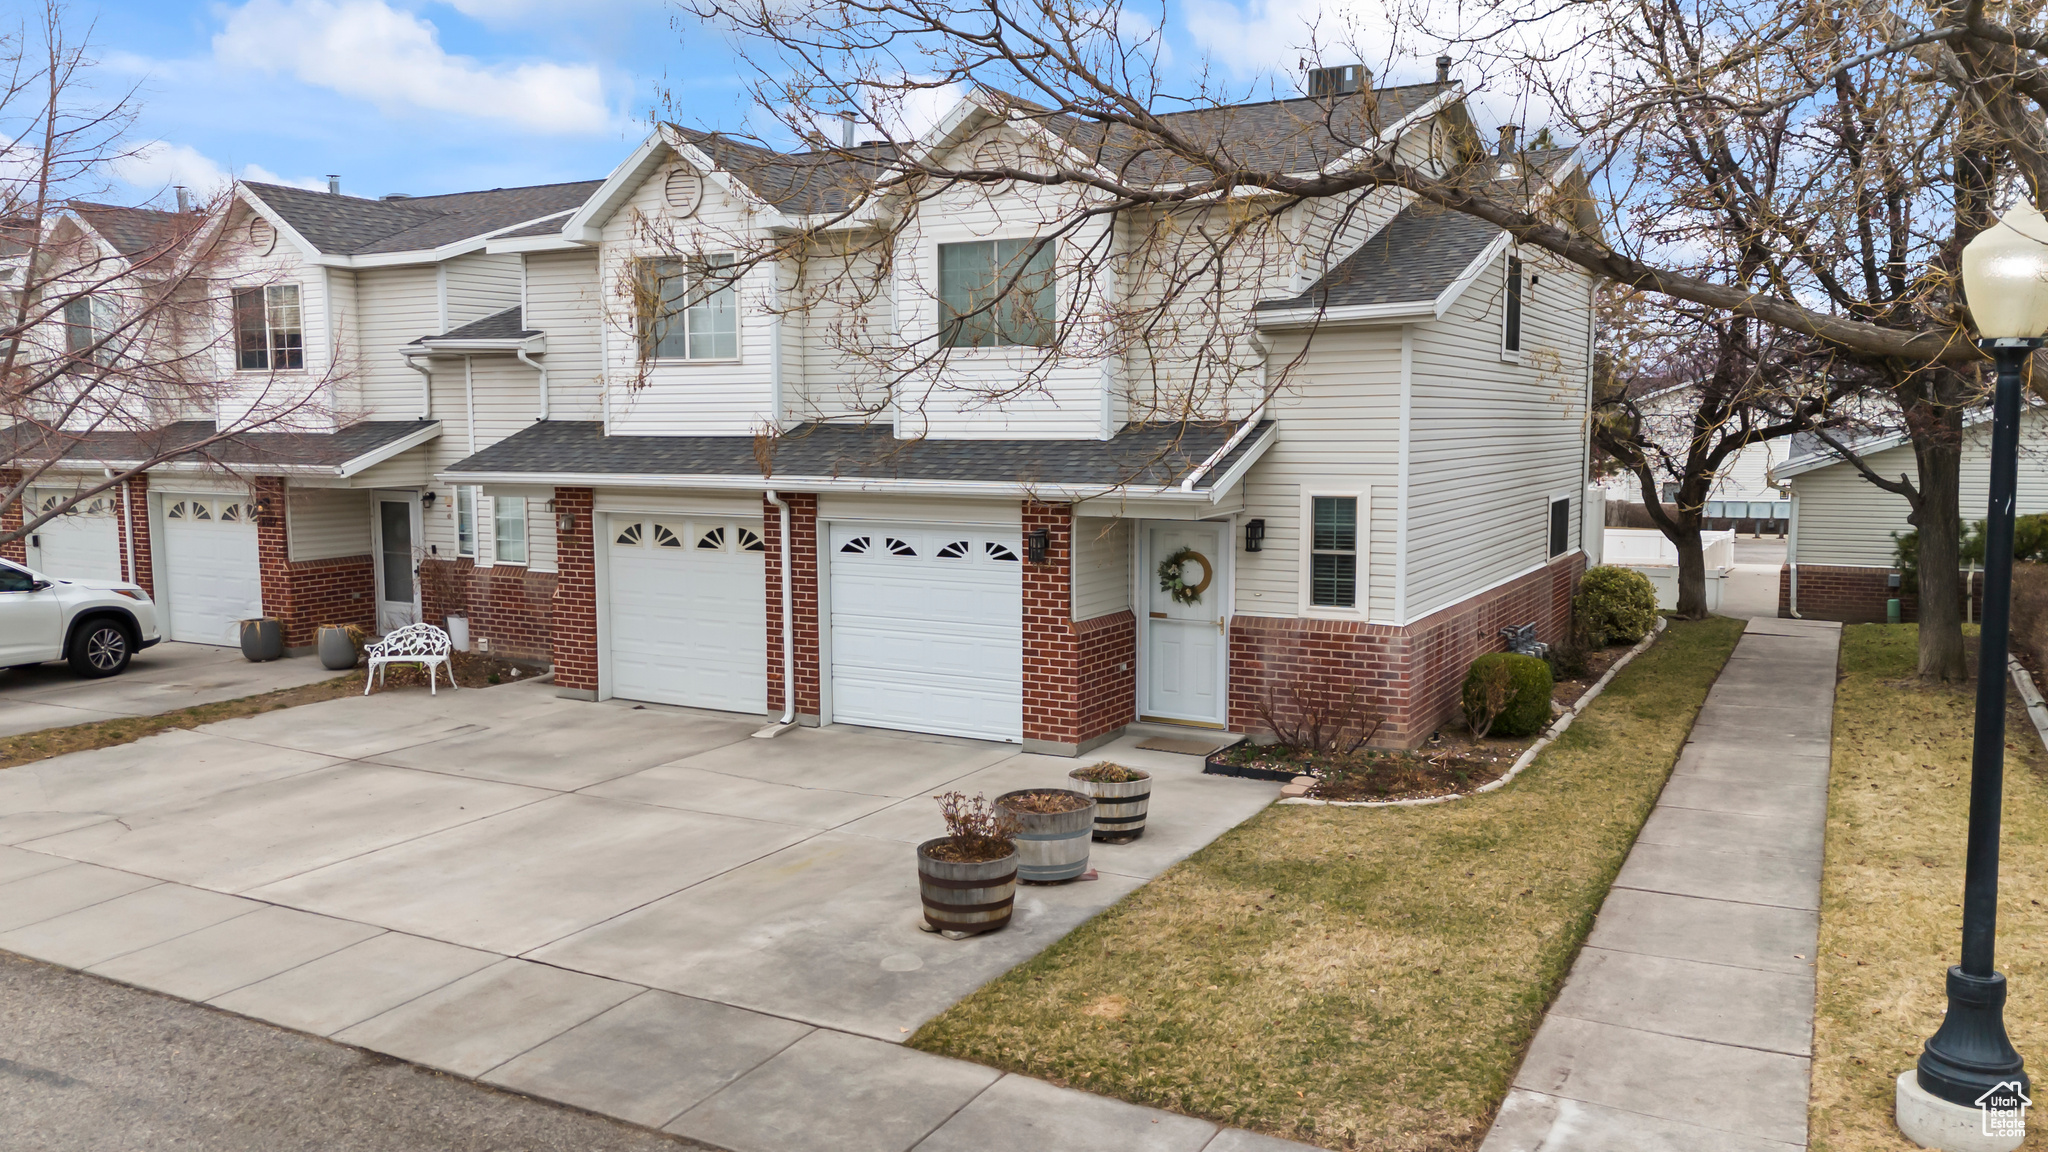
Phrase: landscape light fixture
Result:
[1969,1069]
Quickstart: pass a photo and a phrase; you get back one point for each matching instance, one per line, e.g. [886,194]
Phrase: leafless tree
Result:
[117,323]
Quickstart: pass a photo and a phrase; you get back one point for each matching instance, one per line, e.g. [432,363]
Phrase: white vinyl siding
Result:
[477,285]
[562,301]
[1102,566]
[325,523]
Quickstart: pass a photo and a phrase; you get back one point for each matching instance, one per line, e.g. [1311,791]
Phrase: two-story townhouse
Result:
[369,321]
[900,506]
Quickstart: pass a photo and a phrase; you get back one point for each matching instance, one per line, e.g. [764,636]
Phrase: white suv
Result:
[97,625]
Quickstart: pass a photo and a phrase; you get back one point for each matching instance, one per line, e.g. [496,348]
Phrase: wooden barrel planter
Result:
[1051,846]
[1120,805]
[965,897]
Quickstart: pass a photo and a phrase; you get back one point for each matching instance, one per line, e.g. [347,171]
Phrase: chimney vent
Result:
[1443,69]
[846,127]
[396,196]
[1507,140]
[333,184]
[184,199]
[1339,81]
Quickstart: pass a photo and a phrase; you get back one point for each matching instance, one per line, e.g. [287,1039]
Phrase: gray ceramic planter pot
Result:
[262,639]
[337,649]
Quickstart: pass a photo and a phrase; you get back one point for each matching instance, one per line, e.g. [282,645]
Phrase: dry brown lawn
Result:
[1354,978]
[1891,895]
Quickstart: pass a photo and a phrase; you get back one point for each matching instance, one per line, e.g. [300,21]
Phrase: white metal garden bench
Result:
[421,644]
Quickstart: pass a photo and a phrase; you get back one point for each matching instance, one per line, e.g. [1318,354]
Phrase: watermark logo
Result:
[2004,1109]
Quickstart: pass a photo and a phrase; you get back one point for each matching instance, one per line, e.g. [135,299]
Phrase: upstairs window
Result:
[88,320]
[689,310]
[1333,552]
[1560,525]
[508,522]
[996,293]
[267,332]
[1511,318]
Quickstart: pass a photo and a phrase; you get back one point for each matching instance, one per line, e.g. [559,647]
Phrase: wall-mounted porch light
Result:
[1254,535]
[427,500]
[1037,544]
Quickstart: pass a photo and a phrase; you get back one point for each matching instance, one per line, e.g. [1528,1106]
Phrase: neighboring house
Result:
[1841,559]
[1746,494]
[991,568]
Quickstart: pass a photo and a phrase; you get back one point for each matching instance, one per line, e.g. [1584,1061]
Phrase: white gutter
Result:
[543,370]
[426,387]
[1053,493]
[1236,438]
[788,626]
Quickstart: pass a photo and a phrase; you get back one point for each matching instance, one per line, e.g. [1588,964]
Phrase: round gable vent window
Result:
[262,237]
[684,190]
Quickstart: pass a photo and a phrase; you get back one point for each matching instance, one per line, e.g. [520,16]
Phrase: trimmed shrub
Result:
[1615,605]
[1507,695]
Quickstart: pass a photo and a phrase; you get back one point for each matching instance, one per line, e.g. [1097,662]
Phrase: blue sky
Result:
[424,97]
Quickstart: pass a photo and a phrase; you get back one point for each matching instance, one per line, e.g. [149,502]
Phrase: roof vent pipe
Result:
[1507,139]
[1443,69]
[184,199]
[334,184]
[846,125]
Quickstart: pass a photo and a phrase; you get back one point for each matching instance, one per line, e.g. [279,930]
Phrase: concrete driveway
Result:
[641,911]
[160,679]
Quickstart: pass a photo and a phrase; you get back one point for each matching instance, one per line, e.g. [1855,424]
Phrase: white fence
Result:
[1647,551]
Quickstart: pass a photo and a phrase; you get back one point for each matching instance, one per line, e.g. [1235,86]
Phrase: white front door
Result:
[395,524]
[928,629]
[686,611]
[212,573]
[84,544]
[1184,626]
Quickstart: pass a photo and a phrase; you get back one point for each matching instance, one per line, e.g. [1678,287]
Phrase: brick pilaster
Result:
[273,547]
[574,632]
[134,497]
[803,559]
[1052,652]
[10,518]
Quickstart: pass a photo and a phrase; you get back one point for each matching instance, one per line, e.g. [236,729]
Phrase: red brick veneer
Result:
[573,632]
[1857,595]
[10,518]
[134,497]
[305,594]
[1410,676]
[510,605]
[1109,673]
[1079,682]
[803,558]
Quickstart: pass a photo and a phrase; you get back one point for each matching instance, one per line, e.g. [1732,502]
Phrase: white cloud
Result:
[367,49]
[160,165]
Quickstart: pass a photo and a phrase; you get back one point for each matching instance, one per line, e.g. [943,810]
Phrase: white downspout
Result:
[128,526]
[469,399]
[426,388]
[1792,557]
[788,628]
[543,370]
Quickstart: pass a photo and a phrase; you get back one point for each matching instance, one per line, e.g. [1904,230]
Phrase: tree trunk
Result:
[1940,522]
[1692,568]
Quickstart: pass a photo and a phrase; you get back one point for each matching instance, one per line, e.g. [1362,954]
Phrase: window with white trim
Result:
[267,331]
[465,520]
[1560,526]
[996,293]
[1333,551]
[689,309]
[1511,308]
[88,320]
[508,529]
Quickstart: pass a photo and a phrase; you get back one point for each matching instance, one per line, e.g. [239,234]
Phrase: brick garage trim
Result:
[1407,676]
[134,496]
[803,559]
[304,594]
[10,518]
[1080,681]
[1857,595]
[573,620]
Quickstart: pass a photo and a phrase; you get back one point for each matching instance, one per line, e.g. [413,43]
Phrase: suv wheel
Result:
[101,648]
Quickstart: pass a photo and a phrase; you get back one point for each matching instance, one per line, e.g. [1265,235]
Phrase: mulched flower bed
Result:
[1450,762]
[472,670]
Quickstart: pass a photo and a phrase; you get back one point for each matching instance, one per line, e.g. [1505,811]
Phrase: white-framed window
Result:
[689,309]
[87,322]
[465,520]
[508,529]
[268,336]
[1511,309]
[996,293]
[1560,526]
[1333,568]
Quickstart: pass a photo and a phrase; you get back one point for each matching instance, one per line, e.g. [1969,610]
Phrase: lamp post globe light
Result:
[1966,1094]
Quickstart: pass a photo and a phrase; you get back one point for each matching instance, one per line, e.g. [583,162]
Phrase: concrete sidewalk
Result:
[1687,1022]
[160,679]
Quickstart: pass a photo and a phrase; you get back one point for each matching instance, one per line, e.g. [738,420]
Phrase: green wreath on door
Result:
[1173,576]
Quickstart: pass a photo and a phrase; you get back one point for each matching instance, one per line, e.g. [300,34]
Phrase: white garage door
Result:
[688,618]
[927,629]
[83,545]
[212,577]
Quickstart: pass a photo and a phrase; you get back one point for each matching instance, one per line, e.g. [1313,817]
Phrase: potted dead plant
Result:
[968,877]
[1122,797]
[1053,827]
[338,646]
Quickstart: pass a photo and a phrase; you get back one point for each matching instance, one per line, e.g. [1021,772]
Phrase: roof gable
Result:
[338,225]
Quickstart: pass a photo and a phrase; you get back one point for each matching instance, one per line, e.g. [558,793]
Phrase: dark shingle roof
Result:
[254,450]
[1159,454]
[799,183]
[138,231]
[353,226]
[506,325]
[1418,254]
